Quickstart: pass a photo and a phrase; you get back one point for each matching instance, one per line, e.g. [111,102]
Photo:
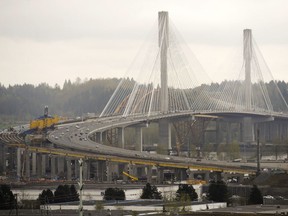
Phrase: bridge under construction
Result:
[162,91]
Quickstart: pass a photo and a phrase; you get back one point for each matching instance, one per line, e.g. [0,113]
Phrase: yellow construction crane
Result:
[133,178]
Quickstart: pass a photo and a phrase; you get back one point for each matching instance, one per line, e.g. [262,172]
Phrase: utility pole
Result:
[80,183]
[15,204]
[258,153]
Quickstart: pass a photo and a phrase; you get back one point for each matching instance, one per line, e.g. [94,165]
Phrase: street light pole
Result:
[258,152]
[80,183]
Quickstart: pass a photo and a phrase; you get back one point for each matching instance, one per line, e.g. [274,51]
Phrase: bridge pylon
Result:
[248,125]
[164,126]
[247,55]
[163,25]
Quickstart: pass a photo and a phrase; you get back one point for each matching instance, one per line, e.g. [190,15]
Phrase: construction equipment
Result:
[42,123]
[133,178]
[196,181]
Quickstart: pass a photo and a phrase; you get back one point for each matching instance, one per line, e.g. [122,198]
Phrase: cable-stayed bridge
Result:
[164,87]
[166,81]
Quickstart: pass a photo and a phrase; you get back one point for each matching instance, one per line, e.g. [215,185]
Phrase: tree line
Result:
[217,192]
[26,102]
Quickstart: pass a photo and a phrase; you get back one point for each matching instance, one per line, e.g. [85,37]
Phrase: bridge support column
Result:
[285,132]
[53,167]
[27,165]
[11,158]
[149,174]
[140,171]
[282,133]
[18,165]
[86,170]
[98,137]
[38,165]
[108,171]
[229,133]
[60,166]
[121,135]
[95,170]
[139,139]
[218,137]
[3,158]
[275,131]
[43,165]
[164,136]
[76,169]
[103,137]
[69,169]
[34,164]
[248,130]
[101,171]
[160,175]
[181,174]
[114,169]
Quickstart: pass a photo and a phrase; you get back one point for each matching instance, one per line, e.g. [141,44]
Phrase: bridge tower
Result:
[164,126]
[247,124]
[247,54]
[163,26]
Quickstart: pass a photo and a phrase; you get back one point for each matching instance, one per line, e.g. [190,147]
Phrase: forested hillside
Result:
[26,102]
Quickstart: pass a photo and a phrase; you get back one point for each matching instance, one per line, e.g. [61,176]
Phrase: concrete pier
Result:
[139,139]
[38,165]
[43,165]
[34,164]
[3,158]
[164,136]
[27,165]
[60,166]
[121,137]
[69,169]
[18,164]
[53,167]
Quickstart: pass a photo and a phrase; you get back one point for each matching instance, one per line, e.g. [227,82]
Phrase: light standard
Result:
[80,183]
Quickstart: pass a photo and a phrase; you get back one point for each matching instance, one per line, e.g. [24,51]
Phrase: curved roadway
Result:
[76,136]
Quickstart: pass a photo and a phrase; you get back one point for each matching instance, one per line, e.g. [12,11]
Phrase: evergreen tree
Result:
[74,196]
[186,192]
[255,196]
[150,192]
[114,194]
[7,200]
[62,194]
[218,191]
[46,196]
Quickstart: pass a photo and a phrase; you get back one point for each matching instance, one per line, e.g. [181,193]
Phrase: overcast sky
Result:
[53,40]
